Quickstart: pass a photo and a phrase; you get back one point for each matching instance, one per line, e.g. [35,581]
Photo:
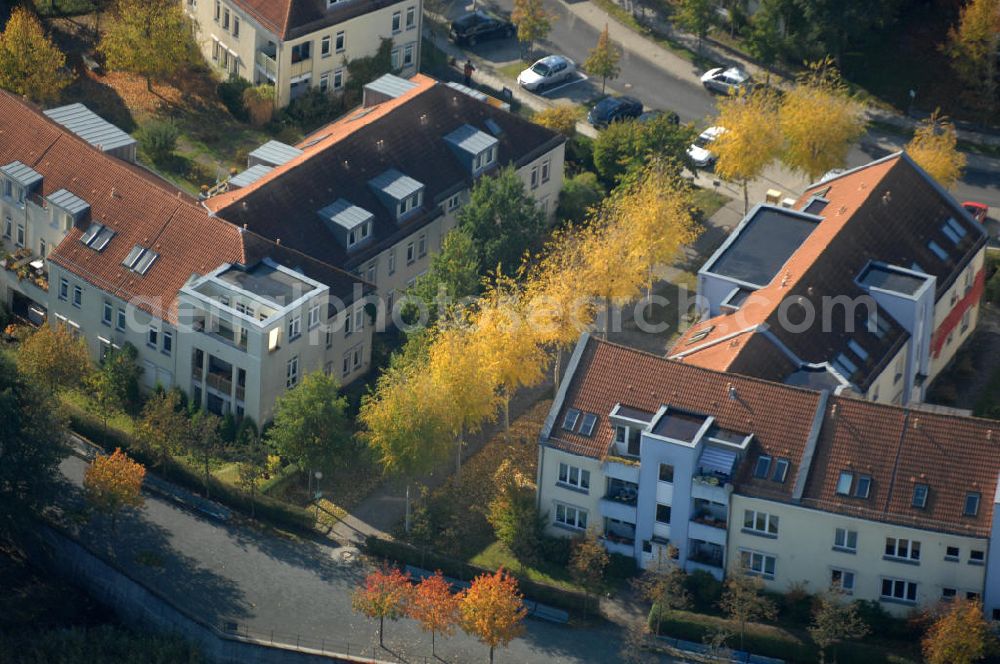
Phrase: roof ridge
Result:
[288,19]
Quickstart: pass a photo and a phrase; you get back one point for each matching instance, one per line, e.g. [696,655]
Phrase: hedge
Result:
[406,554]
[266,509]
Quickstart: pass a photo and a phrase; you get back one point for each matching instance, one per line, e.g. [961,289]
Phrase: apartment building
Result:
[301,44]
[119,256]
[376,191]
[869,284]
[722,472]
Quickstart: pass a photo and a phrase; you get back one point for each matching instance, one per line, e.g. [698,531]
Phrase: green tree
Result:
[311,426]
[502,220]
[163,427]
[158,139]
[625,147]
[696,16]
[513,514]
[830,26]
[579,194]
[588,561]
[55,358]
[453,274]
[30,63]
[532,22]
[603,59]
[362,71]
[115,384]
[765,40]
[743,602]
[835,620]
[204,443]
[974,46]
[253,463]
[664,587]
[151,38]
[32,443]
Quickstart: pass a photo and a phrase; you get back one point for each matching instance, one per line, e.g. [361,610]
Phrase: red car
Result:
[977,210]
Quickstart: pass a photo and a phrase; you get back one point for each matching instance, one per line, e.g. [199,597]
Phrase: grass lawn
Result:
[709,201]
[498,555]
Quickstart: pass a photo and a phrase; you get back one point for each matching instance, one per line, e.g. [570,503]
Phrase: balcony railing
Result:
[240,393]
[706,558]
[197,373]
[267,65]
[220,383]
[709,520]
[615,538]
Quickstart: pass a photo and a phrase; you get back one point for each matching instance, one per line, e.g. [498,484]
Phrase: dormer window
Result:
[398,192]
[409,203]
[68,209]
[763,467]
[19,180]
[352,224]
[476,149]
[484,159]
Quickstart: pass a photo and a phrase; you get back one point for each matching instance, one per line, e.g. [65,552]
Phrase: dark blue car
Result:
[614,109]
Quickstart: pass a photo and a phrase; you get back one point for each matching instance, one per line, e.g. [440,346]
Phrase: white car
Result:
[726,81]
[548,71]
[699,152]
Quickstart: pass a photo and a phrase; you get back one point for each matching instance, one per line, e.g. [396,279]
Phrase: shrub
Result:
[580,153]
[259,104]
[158,139]
[311,110]
[993,288]
[705,590]
[795,605]
[231,93]
[580,192]
[556,550]
[561,119]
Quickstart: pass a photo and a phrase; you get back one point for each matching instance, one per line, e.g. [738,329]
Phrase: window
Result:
[666,472]
[301,52]
[938,251]
[948,593]
[313,316]
[951,553]
[152,336]
[292,372]
[324,85]
[546,168]
[41,247]
[662,513]
[857,350]
[902,548]
[77,296]
[574,477]
[324,47]
[346,369]
[120,323]
[899,590]
[971,504]
[294,328]
[359,319]
[396,16]
[763,467]
[8,228]
[422,245]
[844,483]
[107,313]
[236,27]
[408,55]
[338,43]
[760,523]
[966,319]
[225,19]
[453,202]
[392,261]
[780,470]
[533,180]
[63,289]
[411,17]
[338,79]
[587,427]
[757,563]
[842,580]
[410,253]
[977,557]
[844,365]
[19,241]
[215,49]
[863,487]
[571,517]
[168,342]
[218,10]
[571,418]
[920,492]
[845,540]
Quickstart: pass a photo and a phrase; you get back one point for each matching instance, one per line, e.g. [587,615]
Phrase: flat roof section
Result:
[679,425]
[813,378]
[762,245]
[268,282]
[90,127]
[893,279]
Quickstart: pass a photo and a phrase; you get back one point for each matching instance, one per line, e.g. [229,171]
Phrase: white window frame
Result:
[63,289]
[294,328]
[340,40]
[338,78]
[847,580]
[842,539]
[903,584]
[77,296]
[411,17]
[107,313]
[292,372]
[326,46]
[546,170]
[152,336]
[754,563]
[167,342]
[761,523]
[561,515]
[903,548]
[397,22]
[313,316]
[574,477]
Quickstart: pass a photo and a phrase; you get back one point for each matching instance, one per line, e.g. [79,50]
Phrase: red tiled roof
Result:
[289,19]
[139,207]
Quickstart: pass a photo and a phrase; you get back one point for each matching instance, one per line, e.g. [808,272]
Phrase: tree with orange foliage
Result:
[493,610]
[114,482]
[434,606]
[960,635]
[385,594]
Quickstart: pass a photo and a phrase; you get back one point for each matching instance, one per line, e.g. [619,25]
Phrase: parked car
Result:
[649,116]
[699,151]
[726,81]
[614,109]
[548,71]
[977,210]
[479,26]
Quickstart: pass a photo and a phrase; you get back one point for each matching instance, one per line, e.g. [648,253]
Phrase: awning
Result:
[714,460]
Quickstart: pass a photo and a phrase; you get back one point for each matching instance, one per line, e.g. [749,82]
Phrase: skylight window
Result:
[89,234]
[699,335]
[938,251]
[857,350]
[878,325]
[957,228]
[844,365]
[589,420]
[920,492]
[780,470]
[133,256]
[844,483]
[971,504]
[572,417]
[140,259]
[102,239]
[763,467]
[950,234]
[864,486]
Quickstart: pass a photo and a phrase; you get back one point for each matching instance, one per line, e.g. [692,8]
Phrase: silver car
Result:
[727,81]
[548,71]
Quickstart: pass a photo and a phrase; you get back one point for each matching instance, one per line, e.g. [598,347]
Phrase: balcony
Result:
[621,468]
[710,488]
[219,383]
[267,64]
[619,536]
[714,533]
[707,556]
[29,270]
[619,545]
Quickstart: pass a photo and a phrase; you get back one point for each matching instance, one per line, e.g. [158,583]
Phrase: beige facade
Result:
[570,488]
[813,548]
[953,298]
[888,386]
[235,43]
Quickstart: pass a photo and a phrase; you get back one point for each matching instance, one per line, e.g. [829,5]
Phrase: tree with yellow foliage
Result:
[151,38]
[960,635]
[463,380]
[819,121]
[559,118]
[493,610]
[614,270]
[752,139]
[112,483]
[30,63]
[603,59]
[934,148]
[656,211]
[505,343]
[53,357]
[973,46]
[532,22]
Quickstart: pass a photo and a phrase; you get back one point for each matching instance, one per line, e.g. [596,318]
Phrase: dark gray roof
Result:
[887,277]
[90,127]
[275,152]
[250,175]
[472,140]
[68,201]
[22,174]
[345,214]
[395,184]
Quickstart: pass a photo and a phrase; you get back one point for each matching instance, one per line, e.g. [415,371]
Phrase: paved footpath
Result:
[225,572]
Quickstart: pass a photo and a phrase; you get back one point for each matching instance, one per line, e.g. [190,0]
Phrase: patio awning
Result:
[718,461]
